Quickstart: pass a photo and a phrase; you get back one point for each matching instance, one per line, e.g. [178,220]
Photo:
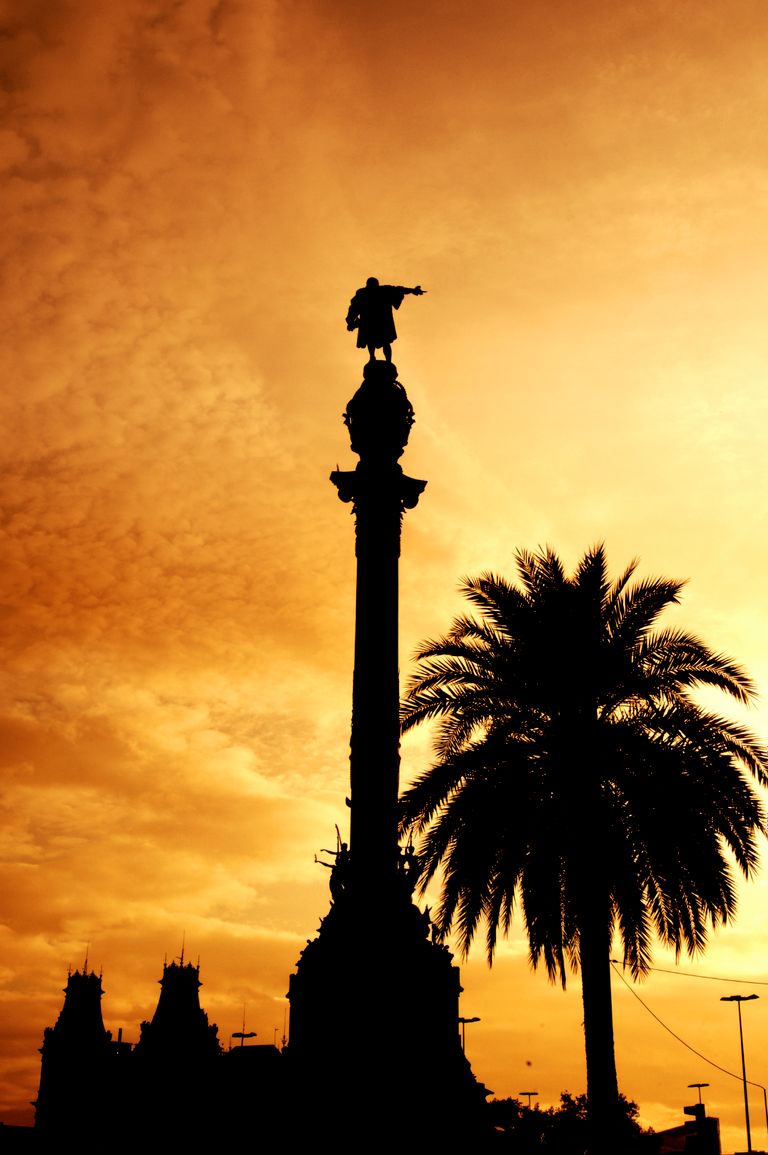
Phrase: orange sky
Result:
[192,192]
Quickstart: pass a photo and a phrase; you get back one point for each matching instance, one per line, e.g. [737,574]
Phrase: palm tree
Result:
[577,776]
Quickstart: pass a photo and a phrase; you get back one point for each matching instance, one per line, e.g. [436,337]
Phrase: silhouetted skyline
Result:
[192,194]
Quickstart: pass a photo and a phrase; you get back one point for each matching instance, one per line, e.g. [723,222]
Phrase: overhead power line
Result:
[669,1030]
[711,978]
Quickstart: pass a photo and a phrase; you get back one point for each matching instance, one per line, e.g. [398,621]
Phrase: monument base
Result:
[374,1041]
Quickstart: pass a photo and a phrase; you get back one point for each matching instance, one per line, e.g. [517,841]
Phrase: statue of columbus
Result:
[370,312]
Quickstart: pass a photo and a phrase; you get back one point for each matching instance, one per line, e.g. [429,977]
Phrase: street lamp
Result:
[530,1095]
[698,1087]
[243,1035]
[463,1024]
[738,1000]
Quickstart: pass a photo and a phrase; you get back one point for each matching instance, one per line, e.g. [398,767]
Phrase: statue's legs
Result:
[386,349]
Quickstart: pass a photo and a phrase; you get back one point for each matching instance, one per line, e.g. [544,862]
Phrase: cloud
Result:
[192,192]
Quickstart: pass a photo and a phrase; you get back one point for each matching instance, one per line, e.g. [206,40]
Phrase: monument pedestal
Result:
[374,1043]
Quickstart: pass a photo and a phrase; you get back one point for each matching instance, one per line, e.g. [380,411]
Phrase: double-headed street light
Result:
[738,1000]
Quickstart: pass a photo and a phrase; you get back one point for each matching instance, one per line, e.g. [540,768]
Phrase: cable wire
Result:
[712,978]
[653,1015]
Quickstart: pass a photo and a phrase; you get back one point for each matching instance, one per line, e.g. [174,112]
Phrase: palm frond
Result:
[567,732]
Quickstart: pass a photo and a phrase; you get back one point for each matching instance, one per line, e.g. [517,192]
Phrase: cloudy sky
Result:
[192,191]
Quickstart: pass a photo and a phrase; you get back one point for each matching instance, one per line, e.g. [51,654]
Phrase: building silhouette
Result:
[175,1085]
[79,1063]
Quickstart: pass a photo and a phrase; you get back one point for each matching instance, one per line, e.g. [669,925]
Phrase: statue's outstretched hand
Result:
[418,291]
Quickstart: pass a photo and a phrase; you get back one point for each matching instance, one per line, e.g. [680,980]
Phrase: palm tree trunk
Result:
[602,1084]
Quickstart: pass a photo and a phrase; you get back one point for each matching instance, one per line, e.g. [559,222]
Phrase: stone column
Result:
[379,418]
[374,1044]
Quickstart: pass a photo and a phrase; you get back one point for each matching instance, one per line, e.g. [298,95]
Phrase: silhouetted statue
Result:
[339,869]
[370,312]
[410,867]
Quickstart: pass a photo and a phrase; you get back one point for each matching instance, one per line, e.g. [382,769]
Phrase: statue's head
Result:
[372,283]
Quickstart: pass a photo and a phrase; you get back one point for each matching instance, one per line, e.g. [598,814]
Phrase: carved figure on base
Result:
[339,869]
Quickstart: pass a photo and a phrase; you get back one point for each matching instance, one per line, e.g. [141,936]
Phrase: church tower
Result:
[179,1031]
[74,1076]
[177,1063]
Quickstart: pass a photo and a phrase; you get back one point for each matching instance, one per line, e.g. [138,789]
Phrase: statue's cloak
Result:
[370,311]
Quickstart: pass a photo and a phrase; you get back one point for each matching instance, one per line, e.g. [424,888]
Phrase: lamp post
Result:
[738,1000]
[529,1095]
[698,1087]
[463,1024]
[243,1035]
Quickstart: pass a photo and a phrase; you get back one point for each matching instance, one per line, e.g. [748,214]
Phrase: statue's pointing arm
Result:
[397,292]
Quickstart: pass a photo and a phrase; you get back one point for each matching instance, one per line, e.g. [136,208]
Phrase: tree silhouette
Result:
[561,1130]
[577,775]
